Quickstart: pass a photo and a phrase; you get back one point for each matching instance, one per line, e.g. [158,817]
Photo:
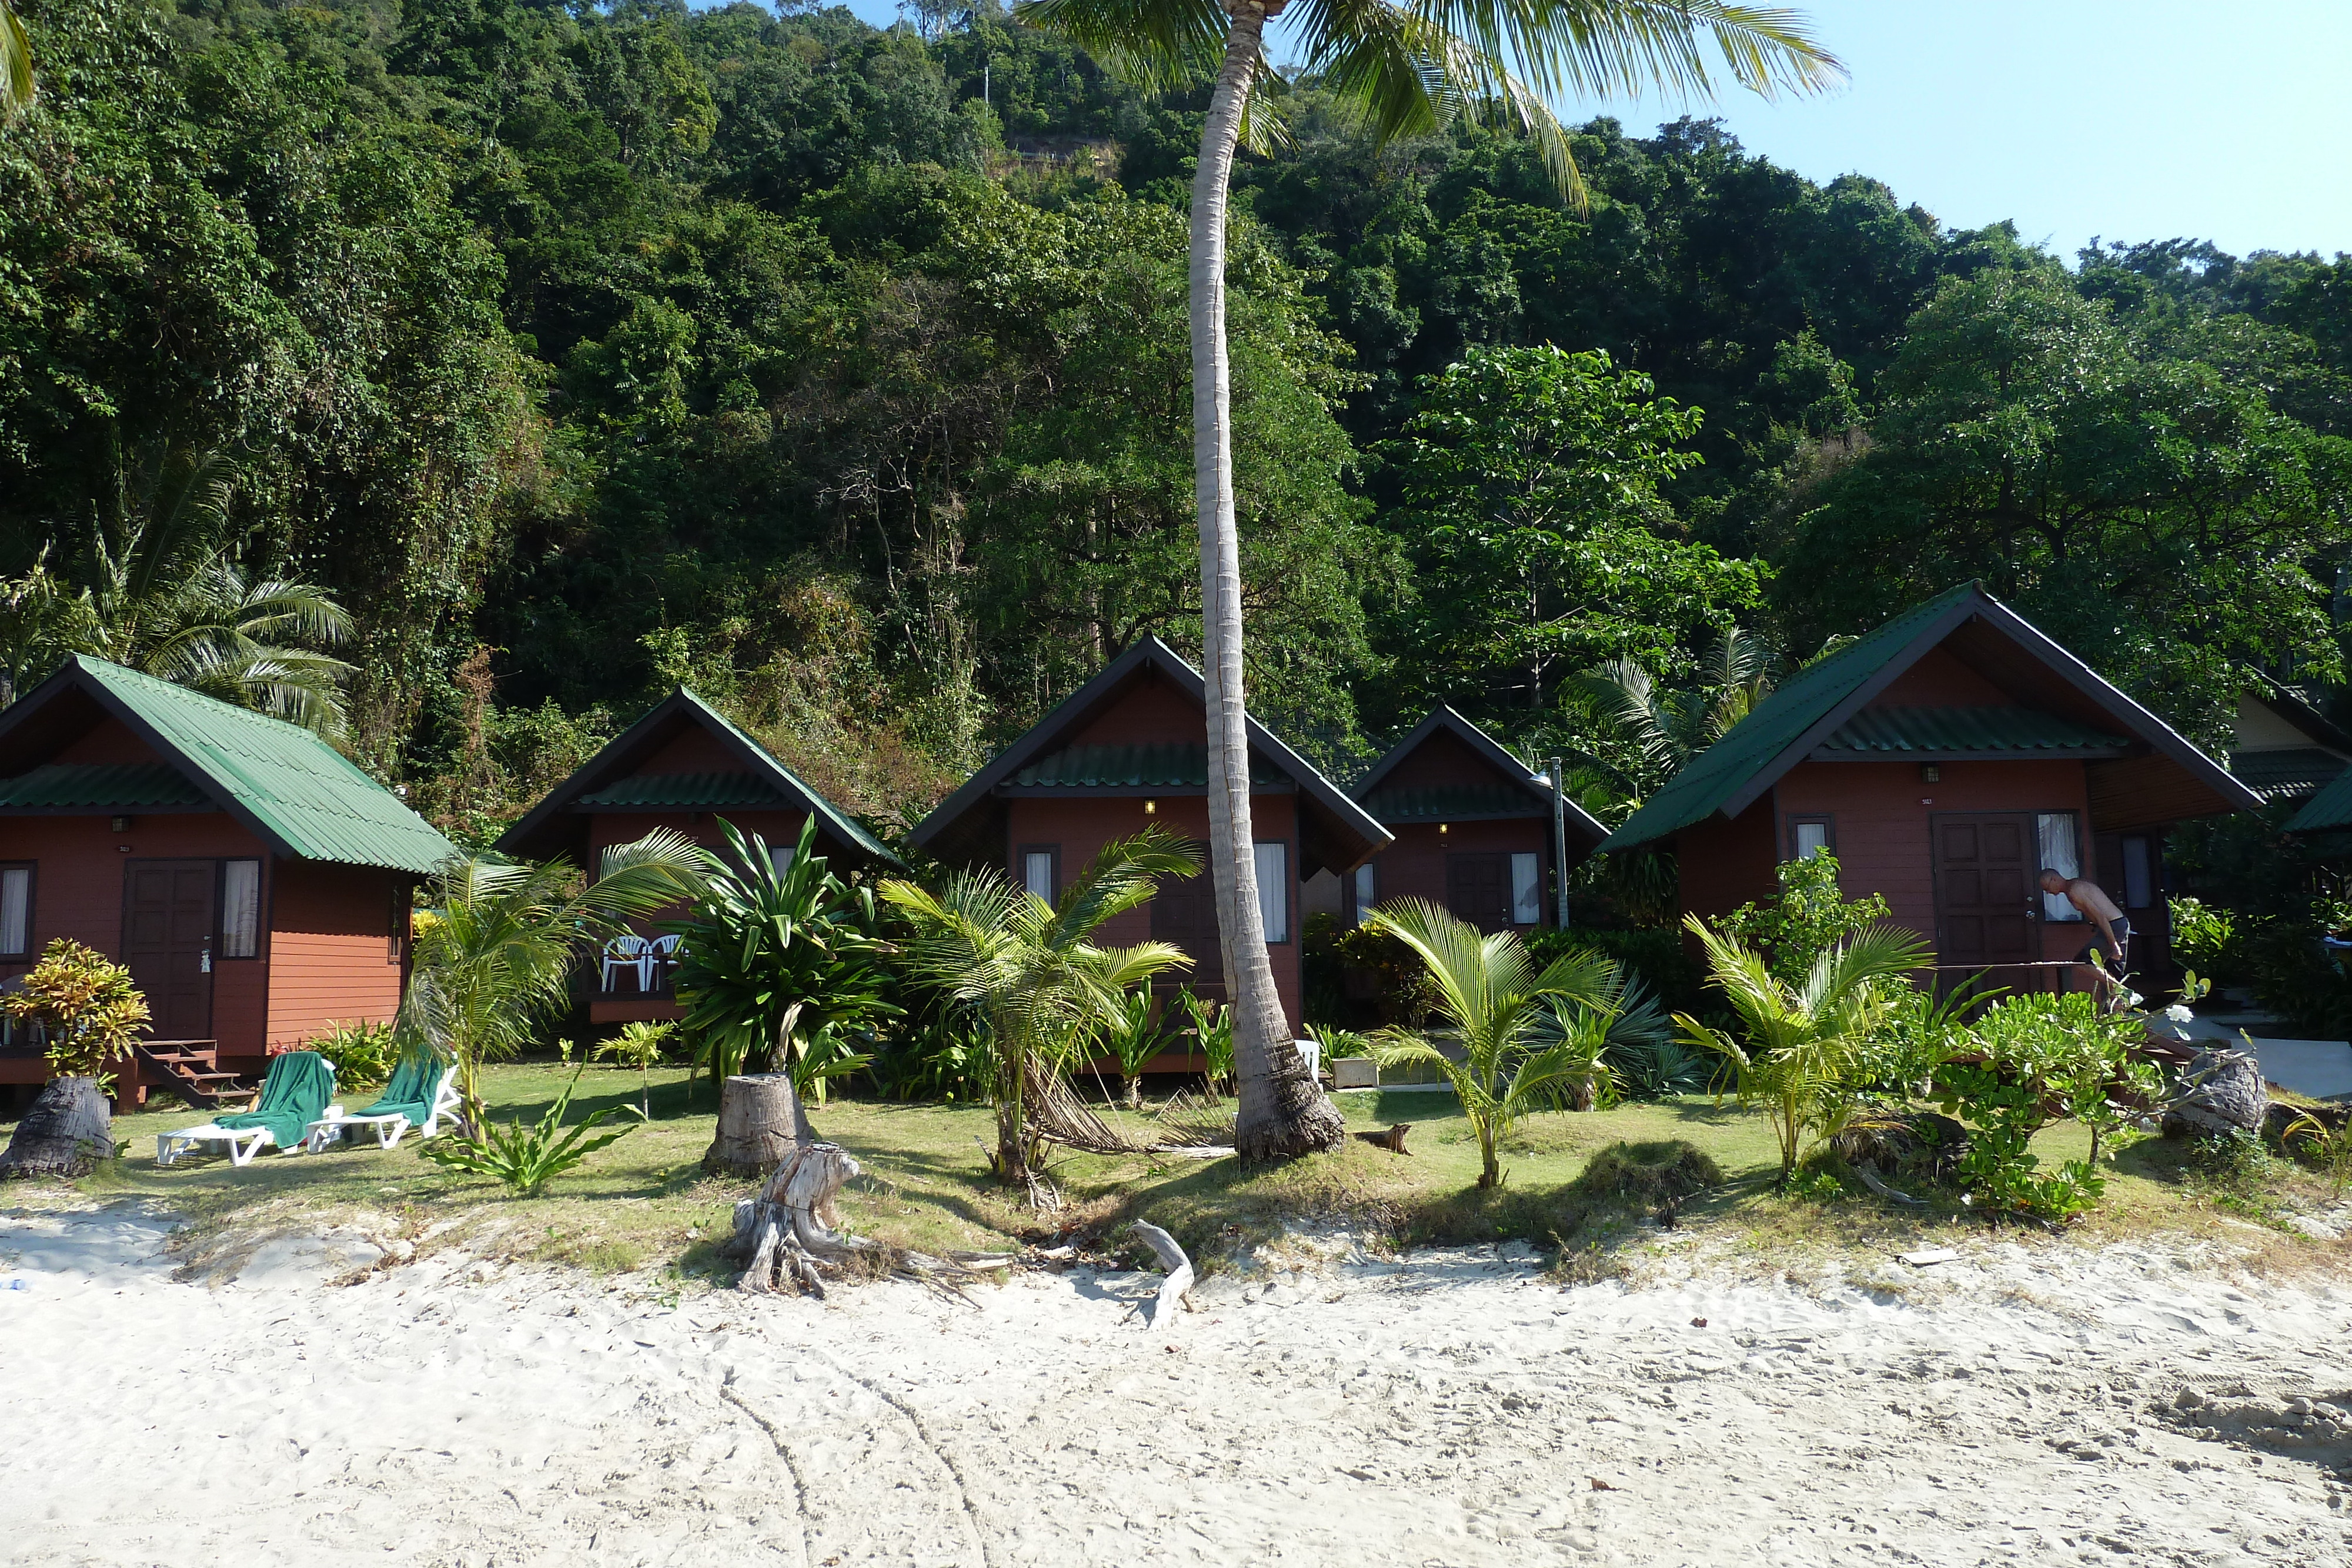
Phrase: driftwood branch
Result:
[1178,1283]
[1392,1139]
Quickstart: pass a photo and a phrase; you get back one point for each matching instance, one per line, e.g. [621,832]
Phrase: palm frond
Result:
[17,84]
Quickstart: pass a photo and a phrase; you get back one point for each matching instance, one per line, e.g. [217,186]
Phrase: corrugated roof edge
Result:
[1148,649]
[1694,794]
[844,827]
[1445,717]
[129,694]
[1831,702]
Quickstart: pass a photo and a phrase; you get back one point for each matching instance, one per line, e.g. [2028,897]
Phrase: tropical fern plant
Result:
[776,970]
[1032,970]
[1527,1041]
[1806,1042]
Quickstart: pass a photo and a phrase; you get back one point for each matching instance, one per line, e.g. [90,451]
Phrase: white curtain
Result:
[240,909]
[2061,852]
[1037,873]
[15,911]
[780,857]
[1527,889]
[1366,888]
[1274,891]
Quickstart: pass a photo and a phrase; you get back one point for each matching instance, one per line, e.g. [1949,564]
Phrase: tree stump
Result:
[785,1236]
[759,1121]
[69,1130]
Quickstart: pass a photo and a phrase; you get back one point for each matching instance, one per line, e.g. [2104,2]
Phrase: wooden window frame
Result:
[32,870]
[1828,822]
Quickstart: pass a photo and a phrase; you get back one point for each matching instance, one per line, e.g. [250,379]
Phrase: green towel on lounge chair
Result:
[293,1095]
[414,1083]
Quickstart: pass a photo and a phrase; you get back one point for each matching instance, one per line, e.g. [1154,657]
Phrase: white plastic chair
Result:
[627,953]
[660,953]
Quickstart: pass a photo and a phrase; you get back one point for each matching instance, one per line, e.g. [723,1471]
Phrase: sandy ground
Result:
[2056,1405]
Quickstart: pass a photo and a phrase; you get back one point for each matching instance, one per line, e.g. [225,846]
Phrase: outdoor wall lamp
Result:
[1441,827]
[1152,807]
[120,825]
[1930,774]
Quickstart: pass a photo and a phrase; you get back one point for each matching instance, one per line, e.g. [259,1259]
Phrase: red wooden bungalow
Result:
[682,766]
[1473,827]
[255,881]
[1128,750]
[1945,760]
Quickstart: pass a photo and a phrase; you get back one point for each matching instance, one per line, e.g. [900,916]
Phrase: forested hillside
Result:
[579,352]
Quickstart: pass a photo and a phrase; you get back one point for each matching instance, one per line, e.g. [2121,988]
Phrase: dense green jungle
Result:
[541,356]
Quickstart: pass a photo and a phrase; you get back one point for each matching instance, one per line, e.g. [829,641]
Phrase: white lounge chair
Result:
[388,1126]
[293,1095]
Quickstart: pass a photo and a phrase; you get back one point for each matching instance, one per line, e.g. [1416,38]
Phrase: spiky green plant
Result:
[527,1158]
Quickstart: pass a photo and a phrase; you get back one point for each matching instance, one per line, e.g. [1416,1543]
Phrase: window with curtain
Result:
[1274,891]
[1037,872]
[240,909]
[1527,889]
[2061,852]
[1810,836]
[780,856]
[2139,873]
[1367,891]
[17,912]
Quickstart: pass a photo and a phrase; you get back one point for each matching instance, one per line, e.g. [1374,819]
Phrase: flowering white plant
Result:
[2178,1012]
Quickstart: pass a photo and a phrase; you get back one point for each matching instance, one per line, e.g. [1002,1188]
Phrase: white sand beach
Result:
[2050,1405]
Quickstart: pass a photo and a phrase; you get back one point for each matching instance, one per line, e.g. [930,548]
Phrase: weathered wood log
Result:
[2222,1091]
[1392,1139]
[68,1131]
[759,1121]
[1179,1283]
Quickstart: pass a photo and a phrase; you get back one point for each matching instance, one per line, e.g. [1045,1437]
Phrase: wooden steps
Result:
[191,1069]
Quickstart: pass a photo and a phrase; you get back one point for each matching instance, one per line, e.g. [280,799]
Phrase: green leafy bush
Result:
[363,1054]
[1656,956]
[528,1158]
[1811,917]
[2205,938]
[85,1003]
[2032,1060]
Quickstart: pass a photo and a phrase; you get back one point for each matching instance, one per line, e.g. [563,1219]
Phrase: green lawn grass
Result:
[645,1200]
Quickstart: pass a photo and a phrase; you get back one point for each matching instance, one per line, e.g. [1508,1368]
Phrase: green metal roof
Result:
[71,786]
[2331,808]
[291,785]
[687,791]
[1773,726]
[1452,802]
[1896,731]
[2285,774]
[1173,765]
[842,822]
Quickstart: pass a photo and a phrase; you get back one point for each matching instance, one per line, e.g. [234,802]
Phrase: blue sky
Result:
[2131,118]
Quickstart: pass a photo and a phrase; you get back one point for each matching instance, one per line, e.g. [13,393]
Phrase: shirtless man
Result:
[2113,943]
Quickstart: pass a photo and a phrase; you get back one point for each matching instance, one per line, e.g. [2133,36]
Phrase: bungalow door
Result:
[1985,892]
[1478,890]
[168,914]
[1184,912]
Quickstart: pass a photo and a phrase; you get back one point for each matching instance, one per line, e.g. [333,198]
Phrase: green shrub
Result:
[363,1054]
[526,1158]
[1656,956]
[1811,917]
[2205,938]
[2028,1061]
[87,1006]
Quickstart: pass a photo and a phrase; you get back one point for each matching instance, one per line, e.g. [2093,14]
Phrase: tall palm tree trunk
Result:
[1283,1112]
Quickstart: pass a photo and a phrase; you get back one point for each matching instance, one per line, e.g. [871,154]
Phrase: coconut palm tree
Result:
[1649,732]
[1803,1040]
[1033,969]
[1411,69]
[1528,1041]
[17,87]
[496,956]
